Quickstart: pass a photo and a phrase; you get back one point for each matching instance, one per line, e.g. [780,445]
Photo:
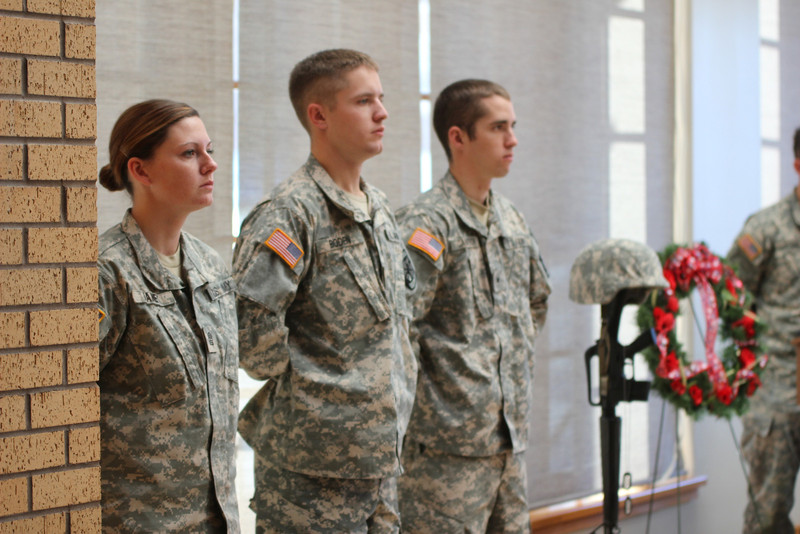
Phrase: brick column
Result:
[49,399]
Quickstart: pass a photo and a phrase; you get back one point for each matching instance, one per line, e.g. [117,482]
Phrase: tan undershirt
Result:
[359,201]
[172,262]
[481,211]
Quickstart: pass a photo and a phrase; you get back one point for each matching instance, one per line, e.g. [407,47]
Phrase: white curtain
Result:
[177,50]
[557,61]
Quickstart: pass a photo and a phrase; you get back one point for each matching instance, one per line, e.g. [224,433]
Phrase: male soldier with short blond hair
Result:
[322,278]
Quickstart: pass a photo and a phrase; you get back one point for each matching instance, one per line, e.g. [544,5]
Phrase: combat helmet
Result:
[605,267]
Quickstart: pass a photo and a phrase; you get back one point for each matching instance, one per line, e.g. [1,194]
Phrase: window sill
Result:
[588,512]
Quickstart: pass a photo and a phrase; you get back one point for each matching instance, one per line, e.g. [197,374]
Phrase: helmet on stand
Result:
[606,267]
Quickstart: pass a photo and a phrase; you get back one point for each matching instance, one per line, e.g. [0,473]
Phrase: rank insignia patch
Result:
[749,246]
[425,242]
[284,247]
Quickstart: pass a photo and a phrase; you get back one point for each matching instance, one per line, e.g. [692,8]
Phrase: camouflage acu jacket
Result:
[323,315]
[481,299]
[168,387]
[767,255]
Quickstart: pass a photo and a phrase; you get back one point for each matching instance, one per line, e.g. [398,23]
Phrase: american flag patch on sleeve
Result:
[285,247]
[749,246]
[425,242]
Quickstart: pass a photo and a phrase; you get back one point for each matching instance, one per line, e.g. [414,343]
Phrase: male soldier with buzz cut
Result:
[767,256]
[480,301]
[323,276]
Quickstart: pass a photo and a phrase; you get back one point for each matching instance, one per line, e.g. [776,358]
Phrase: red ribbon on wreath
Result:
[699,266]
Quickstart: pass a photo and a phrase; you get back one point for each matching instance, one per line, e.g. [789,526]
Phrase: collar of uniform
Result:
[335,193]
[463,210]
[147,258]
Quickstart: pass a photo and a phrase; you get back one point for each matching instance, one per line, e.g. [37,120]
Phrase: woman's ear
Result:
[138,171]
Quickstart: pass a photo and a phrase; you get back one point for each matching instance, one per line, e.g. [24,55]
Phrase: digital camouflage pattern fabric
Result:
[766,254]
[469,494]
[480,301]
[328,330]
[477,310]
[294,502]
[169,394]
[605,267]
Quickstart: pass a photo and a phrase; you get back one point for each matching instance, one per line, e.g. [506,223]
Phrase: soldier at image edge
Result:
[766,254]
[322,276]
[481,300]
[169,392]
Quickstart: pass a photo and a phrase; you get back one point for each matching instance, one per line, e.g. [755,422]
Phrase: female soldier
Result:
[168,354]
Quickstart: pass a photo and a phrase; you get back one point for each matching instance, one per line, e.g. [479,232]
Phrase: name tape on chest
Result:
[285,247]
[425,242]
[749,246]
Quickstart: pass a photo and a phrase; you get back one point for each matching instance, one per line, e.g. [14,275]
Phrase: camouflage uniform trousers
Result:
[441,493]
[287,502]
[772,452]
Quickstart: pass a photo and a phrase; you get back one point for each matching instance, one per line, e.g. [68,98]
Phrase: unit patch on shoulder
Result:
[425,242]
[285,247]
[749,246]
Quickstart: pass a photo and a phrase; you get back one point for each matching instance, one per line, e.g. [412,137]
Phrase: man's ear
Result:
[138,171]
[797,165]
[317,116]
[456,137]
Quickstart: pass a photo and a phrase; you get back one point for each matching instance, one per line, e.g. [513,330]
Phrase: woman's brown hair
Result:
[137,133]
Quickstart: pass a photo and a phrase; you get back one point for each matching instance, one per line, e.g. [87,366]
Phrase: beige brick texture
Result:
[31,452]
[13,496]
[30,36]
[81,285]
[10,76]
[11,162]
[10,246]
[81,121]
[31,370]
[12,330]
[29,286]
[83,365]
[62,245]
[64,488]
[30,204]
[55,78]
[85,520]
[46,524]
[62,162]
[12,413]
[82,204]
[84,445]
[57,327]
[65,407]
[69,8]
[79,41]
[30,118]
[11,5]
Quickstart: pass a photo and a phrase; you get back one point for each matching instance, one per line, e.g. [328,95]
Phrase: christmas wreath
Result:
[720,385]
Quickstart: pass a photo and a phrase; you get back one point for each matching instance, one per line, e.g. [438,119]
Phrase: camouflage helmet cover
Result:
[605,267]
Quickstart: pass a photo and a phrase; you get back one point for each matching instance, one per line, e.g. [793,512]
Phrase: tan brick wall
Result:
[49,399]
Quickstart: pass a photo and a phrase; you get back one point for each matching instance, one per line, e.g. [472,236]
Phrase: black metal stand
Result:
[614,388]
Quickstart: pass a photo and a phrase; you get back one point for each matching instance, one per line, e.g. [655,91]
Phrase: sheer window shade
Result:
[554,60]
[156,49]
